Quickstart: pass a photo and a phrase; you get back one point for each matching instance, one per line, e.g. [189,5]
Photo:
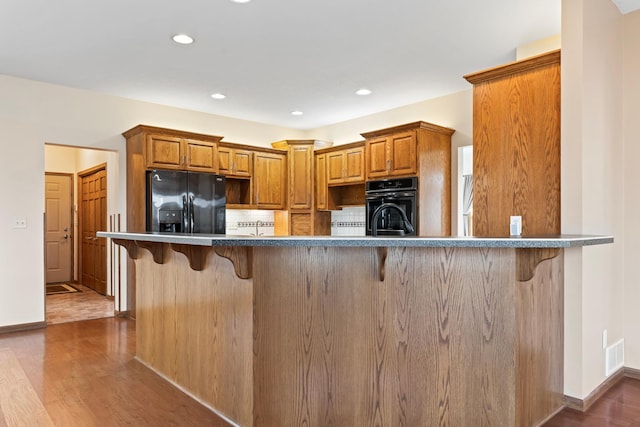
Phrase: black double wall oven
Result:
[391,207]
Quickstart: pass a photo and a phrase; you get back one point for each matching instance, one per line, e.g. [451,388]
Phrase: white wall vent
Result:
[614,357]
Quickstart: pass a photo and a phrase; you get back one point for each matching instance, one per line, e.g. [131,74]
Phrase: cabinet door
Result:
[335,167]
[225,160]
[377,157]
[321,182]
[200,155]
[300,178]
[233,162]
[242,162]
[354,165]
[270,174]
[403,154]
[164,152]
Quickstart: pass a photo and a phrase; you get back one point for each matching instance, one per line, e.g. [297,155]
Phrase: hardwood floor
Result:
[620,406]
[72,307]
[84,374]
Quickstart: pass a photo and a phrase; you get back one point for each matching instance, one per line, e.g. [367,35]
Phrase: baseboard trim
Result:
[187,392]
[583,405]
[632,373]
[125,314]
[551,415]
[22,327]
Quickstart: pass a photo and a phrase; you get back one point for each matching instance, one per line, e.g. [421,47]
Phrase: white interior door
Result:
[58,228]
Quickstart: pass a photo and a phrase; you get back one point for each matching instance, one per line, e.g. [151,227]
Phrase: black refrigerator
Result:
[185,202]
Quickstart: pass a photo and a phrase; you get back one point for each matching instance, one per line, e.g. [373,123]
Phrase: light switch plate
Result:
[20,223]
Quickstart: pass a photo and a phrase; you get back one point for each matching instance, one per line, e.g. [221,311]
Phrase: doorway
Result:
[96,171]
[465,190]
[58,242]
[92,214]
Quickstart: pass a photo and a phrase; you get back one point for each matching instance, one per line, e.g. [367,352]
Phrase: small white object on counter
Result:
[515,225]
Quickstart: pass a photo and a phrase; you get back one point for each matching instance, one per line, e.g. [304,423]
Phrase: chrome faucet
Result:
[258,225]
[408,228]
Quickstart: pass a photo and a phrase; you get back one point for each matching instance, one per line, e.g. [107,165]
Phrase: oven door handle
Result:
[390,195]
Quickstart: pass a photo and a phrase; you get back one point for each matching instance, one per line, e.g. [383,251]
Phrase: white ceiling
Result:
[627,6]
[269,57]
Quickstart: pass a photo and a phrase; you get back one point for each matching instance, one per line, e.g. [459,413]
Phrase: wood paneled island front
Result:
[320,331]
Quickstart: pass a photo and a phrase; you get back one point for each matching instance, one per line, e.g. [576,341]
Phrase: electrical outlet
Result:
[515,225]
[20,223]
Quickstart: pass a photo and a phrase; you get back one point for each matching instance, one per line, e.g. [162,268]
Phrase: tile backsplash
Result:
[349,221]
[249,222]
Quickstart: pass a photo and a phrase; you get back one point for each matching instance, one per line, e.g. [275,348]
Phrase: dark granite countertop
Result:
[558,241]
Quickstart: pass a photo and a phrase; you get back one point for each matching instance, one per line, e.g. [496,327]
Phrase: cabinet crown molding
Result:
[409,126]
[286,143]
[170,132]
[341,147]
[523,65]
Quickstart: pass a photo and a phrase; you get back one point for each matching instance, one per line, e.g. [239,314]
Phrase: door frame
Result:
[73,228]
[81,174]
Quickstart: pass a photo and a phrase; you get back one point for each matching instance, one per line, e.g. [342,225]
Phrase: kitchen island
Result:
[356,331]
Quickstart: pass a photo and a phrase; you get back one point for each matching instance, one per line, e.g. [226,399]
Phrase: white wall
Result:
[592,200]
[631,135]
[32,114]
[538,47]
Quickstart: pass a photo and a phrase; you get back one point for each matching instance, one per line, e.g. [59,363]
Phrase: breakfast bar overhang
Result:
[356,331]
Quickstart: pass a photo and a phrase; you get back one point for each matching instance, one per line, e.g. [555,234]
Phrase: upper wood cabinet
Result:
[302,216]
[321,181]
[516,146]
[391,155]
[340,176]
[172,152]
[150,147]
[417,149]
[270,180]
[346,165]
[301,175]
[235,161]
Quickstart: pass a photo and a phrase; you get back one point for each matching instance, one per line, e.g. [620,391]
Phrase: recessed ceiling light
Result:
[241,1]
[182,39]
[297,113]
[363,92]
[218,96]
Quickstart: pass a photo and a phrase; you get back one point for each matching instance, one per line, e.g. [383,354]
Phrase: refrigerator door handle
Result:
[185,214]
[191,213]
